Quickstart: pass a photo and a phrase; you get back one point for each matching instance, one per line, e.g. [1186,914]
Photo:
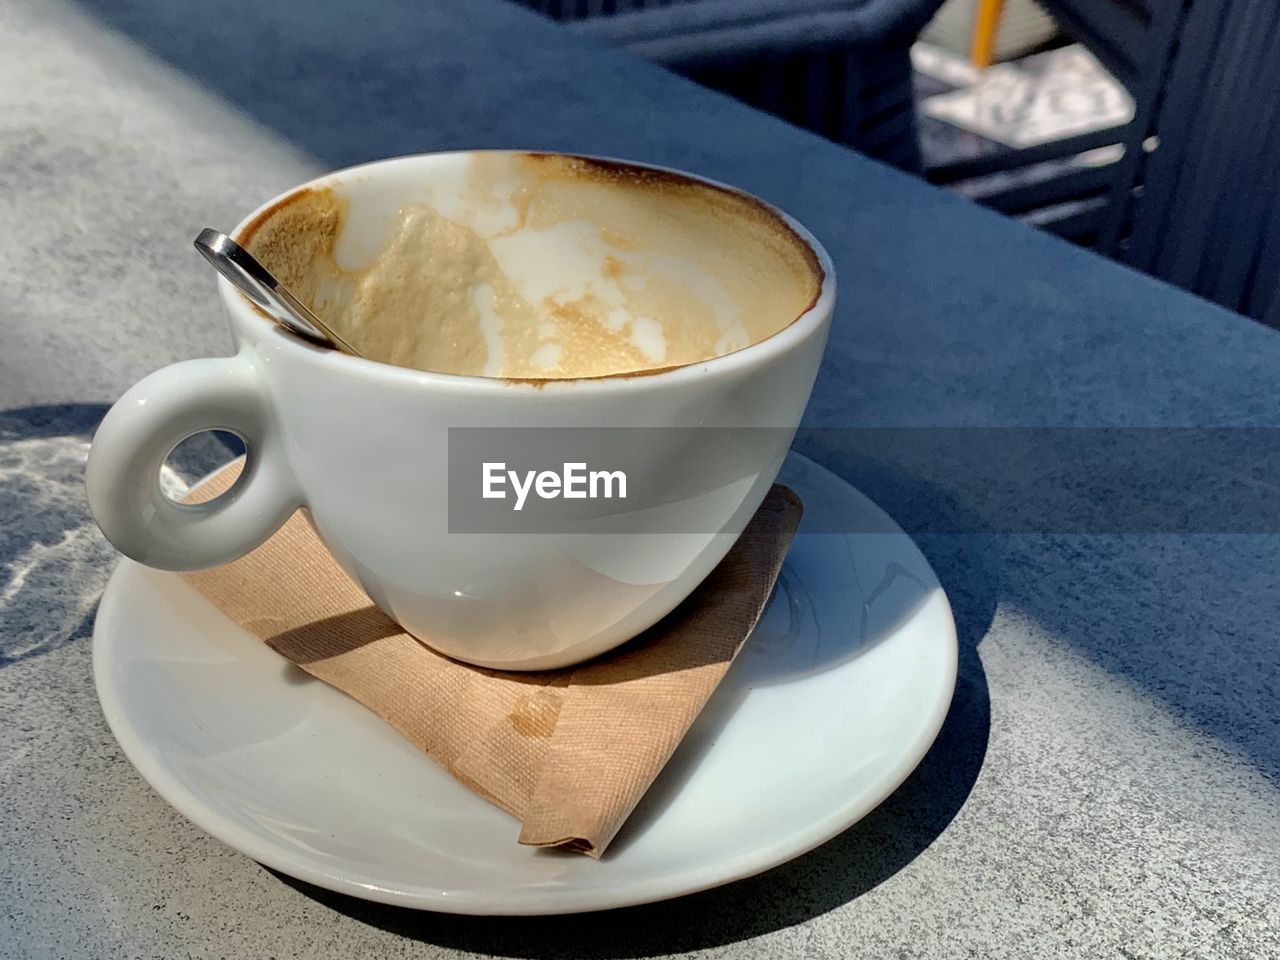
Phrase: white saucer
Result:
[834,700]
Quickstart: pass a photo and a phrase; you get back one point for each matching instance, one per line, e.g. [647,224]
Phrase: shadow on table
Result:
[1150,553]
[350,82]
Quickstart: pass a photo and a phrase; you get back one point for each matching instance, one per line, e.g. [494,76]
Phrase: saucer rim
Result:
[534,902]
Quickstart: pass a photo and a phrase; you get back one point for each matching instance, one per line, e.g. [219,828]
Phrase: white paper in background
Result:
[1024,25]
[1046,97]
[950,68]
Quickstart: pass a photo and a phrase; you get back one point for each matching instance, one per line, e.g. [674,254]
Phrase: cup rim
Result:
[748,357]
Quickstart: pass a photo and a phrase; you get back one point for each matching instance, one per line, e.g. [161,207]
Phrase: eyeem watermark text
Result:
[573,482]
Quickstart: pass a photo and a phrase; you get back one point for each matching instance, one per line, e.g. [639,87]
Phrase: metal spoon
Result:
[258,284]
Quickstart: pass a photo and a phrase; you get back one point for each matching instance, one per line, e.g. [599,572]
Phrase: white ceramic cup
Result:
[363,447]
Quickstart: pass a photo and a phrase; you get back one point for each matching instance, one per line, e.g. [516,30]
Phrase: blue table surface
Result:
[1106,783]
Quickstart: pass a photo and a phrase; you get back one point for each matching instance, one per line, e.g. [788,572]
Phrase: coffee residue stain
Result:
[534,716]
[613,268]
[311,204]
[540,382]
[299,233]
[734,203]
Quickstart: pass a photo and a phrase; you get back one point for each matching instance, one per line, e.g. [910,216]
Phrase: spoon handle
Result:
[258,284]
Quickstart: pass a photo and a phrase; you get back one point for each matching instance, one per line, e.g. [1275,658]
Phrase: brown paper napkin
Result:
[570,752]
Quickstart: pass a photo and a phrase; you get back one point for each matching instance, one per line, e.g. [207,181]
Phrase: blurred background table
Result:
[1106,782]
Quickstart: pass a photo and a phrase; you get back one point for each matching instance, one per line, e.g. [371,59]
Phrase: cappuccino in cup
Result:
[542,266]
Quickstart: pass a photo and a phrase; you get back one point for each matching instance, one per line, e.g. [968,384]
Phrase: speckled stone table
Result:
[1106,782]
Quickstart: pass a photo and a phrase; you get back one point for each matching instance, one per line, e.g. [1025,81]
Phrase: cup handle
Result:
[153,417]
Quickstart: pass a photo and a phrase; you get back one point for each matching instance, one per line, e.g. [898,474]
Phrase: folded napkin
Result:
[570,752]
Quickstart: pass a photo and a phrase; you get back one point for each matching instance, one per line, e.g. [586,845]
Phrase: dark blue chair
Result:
[1194,197]
[841,68]
[1203,212]
[1134,40]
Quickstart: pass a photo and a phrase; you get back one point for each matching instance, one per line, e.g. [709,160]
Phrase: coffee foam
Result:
[542,266]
